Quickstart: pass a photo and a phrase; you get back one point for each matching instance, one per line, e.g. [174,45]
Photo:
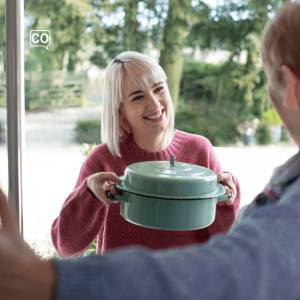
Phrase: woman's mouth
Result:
[157,117]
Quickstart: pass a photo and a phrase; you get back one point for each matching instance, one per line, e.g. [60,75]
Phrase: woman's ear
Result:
[292,88]
[123,122]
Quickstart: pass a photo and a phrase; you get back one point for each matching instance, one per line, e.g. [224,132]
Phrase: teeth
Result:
[158,115]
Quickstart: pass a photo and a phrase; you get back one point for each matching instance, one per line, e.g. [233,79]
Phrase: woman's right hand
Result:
[98,185]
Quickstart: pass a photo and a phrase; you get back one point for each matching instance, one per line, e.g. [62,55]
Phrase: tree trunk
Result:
[171,57]
[130,32]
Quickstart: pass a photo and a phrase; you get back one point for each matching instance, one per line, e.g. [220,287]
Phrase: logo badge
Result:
[40,38]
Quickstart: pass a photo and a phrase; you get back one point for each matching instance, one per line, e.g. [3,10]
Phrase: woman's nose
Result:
[153,101]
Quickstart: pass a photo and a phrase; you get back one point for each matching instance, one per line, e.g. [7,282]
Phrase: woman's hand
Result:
[22,274]
[226,180]
[98,185]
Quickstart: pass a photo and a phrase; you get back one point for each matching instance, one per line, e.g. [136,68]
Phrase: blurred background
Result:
[210,51]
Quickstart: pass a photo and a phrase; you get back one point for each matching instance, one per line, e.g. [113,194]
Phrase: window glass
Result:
[3,113]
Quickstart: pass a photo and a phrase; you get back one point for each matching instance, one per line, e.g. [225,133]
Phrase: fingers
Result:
[112,189]
[109,176]
[229,192]
[102,196]
[226,180]
[5,214]
[97,184]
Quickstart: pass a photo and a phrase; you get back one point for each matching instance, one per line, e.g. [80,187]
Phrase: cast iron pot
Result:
[169,195]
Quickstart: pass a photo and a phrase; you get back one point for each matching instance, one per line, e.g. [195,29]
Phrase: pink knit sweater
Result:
[83,217]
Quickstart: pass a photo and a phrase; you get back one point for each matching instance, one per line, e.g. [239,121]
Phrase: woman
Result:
[137,125]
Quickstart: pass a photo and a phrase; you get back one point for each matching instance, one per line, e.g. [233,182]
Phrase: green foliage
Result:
[263,134]
[63,98]
[123,34]
[92,250]
[44,249]
[89,131]
[3,100]
[174,39]
[284,135]
[55,89]
[199,81]
[271,118]
[215,122]
[231,91]
[216,101]
[67,21]
[88,148]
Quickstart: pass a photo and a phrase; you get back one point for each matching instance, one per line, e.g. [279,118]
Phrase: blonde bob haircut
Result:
[144,72]
[281,42]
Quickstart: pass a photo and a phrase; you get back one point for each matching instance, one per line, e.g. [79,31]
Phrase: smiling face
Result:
[147,109]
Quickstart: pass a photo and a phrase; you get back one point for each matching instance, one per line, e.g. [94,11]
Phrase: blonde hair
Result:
[281,42]
[144,72]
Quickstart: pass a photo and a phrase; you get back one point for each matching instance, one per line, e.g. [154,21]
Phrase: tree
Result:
[125,33]
[175,33]
[67,21]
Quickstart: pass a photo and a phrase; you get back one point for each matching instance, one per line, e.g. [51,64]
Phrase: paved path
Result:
[56,127]
[53,159]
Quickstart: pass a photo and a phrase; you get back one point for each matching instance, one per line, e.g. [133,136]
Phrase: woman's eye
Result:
[158,89]
[137,98]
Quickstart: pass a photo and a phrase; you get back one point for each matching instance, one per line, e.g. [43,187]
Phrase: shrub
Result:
[218,98]
[263,134]
[214,121]
[271,118]
[284,135]
[89,131]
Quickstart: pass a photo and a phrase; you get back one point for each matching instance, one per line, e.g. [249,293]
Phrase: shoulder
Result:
[195,140]
[194,148]
[99,155]
[291,193]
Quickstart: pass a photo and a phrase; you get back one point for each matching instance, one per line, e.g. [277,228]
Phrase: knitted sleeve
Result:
[81,218]
[225,214]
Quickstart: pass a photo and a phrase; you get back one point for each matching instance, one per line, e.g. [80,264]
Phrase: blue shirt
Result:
[258,259]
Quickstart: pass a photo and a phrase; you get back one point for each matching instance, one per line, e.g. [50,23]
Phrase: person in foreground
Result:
[258,259]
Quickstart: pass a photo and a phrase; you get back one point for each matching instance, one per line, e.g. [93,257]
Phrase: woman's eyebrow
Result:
[157,84]
[137,92]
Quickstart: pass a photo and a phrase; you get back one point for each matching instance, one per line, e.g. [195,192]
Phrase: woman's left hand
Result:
[226,180]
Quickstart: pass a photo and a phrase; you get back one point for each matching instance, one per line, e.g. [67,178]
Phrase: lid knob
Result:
[172,161]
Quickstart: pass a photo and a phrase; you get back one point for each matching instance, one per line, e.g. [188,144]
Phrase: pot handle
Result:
[119,197]
[223,197]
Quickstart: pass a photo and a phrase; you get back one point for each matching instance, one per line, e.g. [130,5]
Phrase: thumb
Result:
[5,214]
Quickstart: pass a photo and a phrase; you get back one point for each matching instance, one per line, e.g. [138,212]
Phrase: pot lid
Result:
[171,179]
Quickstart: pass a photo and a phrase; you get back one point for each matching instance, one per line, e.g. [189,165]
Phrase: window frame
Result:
[14,23]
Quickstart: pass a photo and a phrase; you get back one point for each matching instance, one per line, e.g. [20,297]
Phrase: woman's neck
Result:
[155,142]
